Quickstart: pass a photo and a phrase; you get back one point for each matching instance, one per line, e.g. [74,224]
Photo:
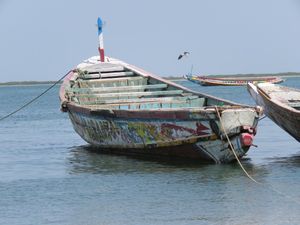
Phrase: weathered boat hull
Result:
[211,81]
[176,134]
[286,117]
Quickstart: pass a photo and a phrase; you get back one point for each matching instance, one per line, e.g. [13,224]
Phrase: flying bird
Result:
[183,54]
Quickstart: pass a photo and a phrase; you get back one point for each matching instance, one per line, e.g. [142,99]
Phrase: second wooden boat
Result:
[231,81]
[281,104]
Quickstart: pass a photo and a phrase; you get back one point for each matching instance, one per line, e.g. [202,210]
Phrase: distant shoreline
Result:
[26,83]
[284,75]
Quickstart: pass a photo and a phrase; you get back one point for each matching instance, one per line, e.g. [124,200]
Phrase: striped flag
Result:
[100,36]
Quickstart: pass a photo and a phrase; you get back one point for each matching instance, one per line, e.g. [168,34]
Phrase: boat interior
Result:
[113,86]
[286,95]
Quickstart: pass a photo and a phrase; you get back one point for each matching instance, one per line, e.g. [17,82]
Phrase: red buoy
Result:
[246,139]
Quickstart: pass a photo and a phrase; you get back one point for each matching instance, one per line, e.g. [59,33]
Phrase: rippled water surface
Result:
[48,175]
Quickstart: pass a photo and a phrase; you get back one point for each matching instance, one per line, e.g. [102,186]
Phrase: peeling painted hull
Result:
[119,108]
[190,138]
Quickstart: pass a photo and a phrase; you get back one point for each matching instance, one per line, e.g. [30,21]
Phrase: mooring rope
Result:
[270,187]
[232,148]
[35,98]
[261,118]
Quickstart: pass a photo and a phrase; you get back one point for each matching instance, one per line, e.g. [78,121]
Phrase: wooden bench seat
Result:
[95,90]
[105,75]
[112,82]
[177,103]
[103,67]
[139,100]
[119,95]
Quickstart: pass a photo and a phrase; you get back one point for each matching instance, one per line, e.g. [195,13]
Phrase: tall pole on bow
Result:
[100,36]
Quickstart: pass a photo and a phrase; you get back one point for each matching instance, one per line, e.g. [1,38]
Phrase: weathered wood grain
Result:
[116,89]
[104,67]
[128,94]
[142,100]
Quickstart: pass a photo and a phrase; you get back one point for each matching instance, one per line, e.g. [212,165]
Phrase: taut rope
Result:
[232,148]
[35,98]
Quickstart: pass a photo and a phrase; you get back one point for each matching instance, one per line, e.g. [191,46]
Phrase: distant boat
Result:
[281,104]
[122,109]
[231,81]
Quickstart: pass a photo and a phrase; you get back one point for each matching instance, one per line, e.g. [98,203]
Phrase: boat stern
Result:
[235,129]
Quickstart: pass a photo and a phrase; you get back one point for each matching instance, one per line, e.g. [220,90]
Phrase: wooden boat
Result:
[281,104]
[231,81]
[122,109]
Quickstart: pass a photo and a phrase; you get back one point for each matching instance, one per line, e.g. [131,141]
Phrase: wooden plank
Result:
[89,76]
[105,75]
[116,89]
[141,100]
[112,82]
[117,74]
[130,94]
[153,105]
[294,104]
[103,67]
[137,103]
[112,79]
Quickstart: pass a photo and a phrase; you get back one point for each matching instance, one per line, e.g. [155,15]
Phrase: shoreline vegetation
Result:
[284,75]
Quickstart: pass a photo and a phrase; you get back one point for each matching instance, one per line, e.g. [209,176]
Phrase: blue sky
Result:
[41,40]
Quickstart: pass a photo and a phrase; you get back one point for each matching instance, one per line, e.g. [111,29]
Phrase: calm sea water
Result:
[49,176]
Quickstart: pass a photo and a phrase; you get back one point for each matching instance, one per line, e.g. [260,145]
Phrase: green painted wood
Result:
[154,105]
[294,104]
[94,103]
[106,75]
[89,76]
[112,79]
[130,94]
[111,82]
[117,74]
[116,89]
[103,67]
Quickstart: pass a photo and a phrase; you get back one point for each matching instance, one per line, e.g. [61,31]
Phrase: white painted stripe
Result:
[101,45]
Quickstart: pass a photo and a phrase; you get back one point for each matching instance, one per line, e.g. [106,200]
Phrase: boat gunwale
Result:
[267,98]
[168,113]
